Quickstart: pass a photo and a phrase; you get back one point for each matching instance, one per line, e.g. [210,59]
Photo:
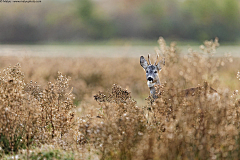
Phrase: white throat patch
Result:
[150,84]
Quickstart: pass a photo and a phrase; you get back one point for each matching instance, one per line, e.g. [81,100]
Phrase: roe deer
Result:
[153,79]
[152,73]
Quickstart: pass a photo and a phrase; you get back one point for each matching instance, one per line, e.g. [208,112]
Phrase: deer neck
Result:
[152,88]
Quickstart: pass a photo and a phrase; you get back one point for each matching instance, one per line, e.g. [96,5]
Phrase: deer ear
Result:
[143,62]
[162,62]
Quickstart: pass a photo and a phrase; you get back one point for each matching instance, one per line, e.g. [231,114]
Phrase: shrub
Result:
[200,125]
[120,125]
[113,125]
[30,115]
[174,126]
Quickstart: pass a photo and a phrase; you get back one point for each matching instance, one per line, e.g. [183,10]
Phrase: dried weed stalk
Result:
[119,126]
[30,115]
[194,123]
[181,124]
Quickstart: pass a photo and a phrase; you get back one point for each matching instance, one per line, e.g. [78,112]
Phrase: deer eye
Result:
[155,71]
[146,71]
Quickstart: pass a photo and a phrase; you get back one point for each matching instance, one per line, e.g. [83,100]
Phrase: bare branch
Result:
[149,61]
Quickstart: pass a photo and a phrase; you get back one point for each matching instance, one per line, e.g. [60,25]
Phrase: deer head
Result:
[152,72]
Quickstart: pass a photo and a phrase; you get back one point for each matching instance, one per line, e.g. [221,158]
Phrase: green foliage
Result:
[16,141]
[85,9]
[97,25]
[145,19]
[191,19]
[52,154]
[154,9]
[214,18]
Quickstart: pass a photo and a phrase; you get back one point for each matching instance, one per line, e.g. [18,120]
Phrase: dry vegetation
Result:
[45,114]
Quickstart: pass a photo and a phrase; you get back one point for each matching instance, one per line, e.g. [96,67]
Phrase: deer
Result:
[152,71]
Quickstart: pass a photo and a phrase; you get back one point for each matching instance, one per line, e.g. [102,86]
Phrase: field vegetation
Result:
[100,108]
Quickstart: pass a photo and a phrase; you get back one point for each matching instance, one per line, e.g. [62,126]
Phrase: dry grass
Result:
[88,116]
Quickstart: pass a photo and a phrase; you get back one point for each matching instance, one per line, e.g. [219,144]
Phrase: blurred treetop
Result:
[80,20]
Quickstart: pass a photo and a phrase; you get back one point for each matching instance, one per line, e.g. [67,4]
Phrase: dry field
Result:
[86,107]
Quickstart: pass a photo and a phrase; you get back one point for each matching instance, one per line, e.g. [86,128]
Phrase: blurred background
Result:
[68,21]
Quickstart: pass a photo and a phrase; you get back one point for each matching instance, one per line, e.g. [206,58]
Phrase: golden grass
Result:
[88,116]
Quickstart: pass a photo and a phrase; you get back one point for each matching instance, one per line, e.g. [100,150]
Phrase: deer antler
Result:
[149,61]
[156,60]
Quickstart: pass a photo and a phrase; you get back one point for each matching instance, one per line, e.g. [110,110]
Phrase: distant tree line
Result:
[144,19]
